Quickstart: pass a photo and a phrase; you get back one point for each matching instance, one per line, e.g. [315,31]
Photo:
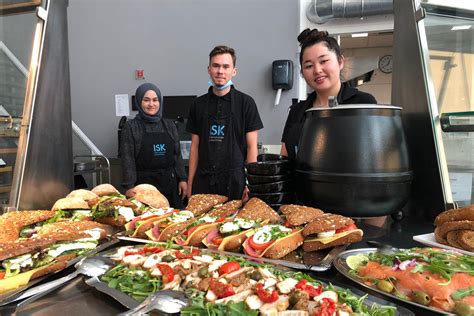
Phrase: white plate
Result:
[429,239]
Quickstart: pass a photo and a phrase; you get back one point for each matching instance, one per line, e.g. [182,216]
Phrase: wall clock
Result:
[386,64]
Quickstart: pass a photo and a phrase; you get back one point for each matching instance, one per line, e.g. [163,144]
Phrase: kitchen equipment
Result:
[275,198]
[279,186]
[166,301]
[88,266]
[353,160]
[258,179]
[270,165]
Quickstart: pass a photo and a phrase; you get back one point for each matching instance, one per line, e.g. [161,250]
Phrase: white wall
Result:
[171,40]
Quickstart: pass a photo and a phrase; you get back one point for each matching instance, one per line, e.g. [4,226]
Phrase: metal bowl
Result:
[274,187]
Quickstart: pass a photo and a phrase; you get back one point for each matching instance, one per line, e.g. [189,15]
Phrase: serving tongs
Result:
[166,301]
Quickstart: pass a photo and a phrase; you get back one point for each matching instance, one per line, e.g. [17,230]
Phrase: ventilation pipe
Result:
[320,11]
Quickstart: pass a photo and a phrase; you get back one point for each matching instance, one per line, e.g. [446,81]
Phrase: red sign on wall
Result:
[140,74]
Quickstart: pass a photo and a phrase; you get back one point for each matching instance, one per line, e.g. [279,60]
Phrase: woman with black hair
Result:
[150,148]
[321,63]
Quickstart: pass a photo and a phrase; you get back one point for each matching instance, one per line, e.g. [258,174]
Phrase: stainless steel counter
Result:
[77,298]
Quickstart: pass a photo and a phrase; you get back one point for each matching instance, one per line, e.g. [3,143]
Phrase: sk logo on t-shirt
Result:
[216,133]
[159,149]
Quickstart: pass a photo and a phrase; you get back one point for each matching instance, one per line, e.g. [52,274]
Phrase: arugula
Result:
[461,293]
[198,307]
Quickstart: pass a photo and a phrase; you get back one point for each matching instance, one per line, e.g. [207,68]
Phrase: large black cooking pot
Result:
[353,160]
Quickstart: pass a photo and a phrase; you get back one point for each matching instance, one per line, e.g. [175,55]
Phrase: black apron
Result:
[221,160]
[155,165]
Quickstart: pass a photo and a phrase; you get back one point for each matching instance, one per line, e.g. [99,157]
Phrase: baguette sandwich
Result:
[201,203]
[18,224]
[230,235]
[329,230]
[131,192]
[105,189]
[149,199]
[140,224]
[165,228]
[197,230]
[113,210]
[23,260]
[83,194]
[272,241]
[296,215]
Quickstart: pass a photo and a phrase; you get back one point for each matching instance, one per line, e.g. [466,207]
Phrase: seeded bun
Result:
[86,195]
[460,214]
[105,189]
[131,192]
[258,210]
[227,209]
[299,214]
[326,222]
[152,198]
[70,203]
[314,245]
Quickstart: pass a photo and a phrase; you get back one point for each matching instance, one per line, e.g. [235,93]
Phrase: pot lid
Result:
[357,106]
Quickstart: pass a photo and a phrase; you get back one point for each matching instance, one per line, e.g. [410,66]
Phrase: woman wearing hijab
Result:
[150,149]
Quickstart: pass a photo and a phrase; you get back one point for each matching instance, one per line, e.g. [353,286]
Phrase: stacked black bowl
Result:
[270,179]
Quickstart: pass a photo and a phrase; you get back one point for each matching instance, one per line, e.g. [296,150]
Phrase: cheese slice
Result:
[327,240]
[16,281]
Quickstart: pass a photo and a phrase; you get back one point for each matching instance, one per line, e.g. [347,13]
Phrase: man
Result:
[224,126]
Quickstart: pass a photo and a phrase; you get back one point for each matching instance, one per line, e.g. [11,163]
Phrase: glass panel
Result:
[450,37]
[16,42]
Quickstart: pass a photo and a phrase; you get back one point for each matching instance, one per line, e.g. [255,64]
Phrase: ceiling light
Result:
[360,34]
[460,27]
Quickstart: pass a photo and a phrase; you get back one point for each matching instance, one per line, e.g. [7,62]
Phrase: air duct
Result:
[320,11]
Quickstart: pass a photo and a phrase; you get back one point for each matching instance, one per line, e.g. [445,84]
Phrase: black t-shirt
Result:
[294,122]
[246,120]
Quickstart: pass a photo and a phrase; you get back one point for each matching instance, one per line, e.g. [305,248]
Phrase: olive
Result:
[385,286]
[463,309]
[421,298]
[203,272]
[167,258]
[294,298]
[255,275]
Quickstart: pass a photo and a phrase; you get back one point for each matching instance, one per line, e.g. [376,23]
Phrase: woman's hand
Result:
[245,194]
[182,189]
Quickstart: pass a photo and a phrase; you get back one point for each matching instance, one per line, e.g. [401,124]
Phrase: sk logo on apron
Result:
[216,132]
[159,149]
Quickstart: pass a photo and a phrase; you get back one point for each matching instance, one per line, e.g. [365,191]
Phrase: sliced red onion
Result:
[156,231]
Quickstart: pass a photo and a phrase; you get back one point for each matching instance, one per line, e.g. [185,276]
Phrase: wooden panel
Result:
[8,150]
[16,6]
[6,169]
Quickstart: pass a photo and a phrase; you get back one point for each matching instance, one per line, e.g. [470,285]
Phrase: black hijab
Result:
[139,94]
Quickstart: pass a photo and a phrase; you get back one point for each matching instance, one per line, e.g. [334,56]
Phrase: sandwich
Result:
[106,189]
[197,230]
[163,229]
[18,224]
[296,215]
[73,208]
[131,192]
[113,210]
[201,203]
[230,235]
[149,199]
[329,230]
[83,194]
[140,224]
[455,228]
[54,245]
[256,209]
[273,241]
[227,209]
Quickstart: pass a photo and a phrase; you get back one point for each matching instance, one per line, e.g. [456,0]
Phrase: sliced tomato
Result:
[186,254]
[157,249]
[221,289]
[229,267]
[264,295]
[217,240]
[2,275]
[219,220]
[257,246]
[310,289]
[167,273]
[192,230]
[327,307]
[346,228]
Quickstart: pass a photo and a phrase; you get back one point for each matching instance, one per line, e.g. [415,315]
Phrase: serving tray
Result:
[341,265]
[429,240]
[317,261]
[8,297]
[131,303]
